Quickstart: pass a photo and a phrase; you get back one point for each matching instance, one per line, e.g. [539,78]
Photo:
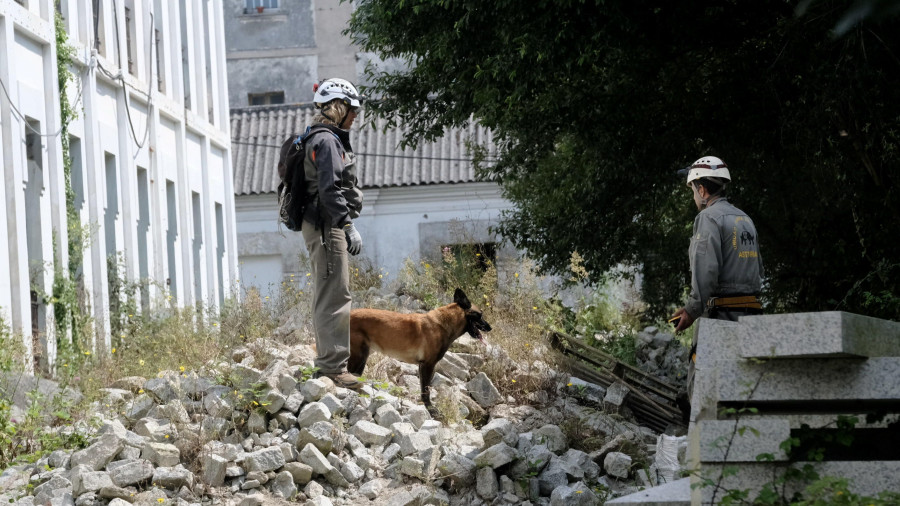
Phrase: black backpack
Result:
[292,195]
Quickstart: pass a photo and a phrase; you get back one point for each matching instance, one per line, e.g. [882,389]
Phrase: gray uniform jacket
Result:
[330,171]
[724,253]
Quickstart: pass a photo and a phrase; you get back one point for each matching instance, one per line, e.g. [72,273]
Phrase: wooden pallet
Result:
[652,400]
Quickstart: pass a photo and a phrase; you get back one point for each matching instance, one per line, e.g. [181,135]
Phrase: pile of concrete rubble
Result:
[258,430]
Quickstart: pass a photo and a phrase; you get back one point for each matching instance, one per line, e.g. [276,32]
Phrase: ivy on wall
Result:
[68,311]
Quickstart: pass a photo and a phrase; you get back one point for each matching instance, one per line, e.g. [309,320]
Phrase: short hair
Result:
[714,185]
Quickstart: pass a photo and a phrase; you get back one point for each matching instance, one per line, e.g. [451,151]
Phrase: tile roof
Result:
[257,133]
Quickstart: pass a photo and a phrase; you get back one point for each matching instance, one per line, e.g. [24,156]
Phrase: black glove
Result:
[354,240]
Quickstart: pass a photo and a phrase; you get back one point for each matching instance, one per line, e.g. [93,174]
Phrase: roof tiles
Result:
[257,134]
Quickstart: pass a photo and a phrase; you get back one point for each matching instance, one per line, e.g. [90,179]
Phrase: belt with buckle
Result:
[738,302]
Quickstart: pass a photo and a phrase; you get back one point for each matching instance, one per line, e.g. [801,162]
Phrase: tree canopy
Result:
[596,104]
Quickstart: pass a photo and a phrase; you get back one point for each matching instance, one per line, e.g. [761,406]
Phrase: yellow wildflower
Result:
[140,390]
[181,368]
[568,385]
[113,350]
[516,274]
[141,362]
[513,381]
[308,274]
[87,353]
[167,436]
[160,500]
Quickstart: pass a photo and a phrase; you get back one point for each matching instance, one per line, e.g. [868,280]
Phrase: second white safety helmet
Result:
[334,88]
[708,166]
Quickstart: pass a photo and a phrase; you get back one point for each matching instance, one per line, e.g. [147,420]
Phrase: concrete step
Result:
[802,381]
[822,334]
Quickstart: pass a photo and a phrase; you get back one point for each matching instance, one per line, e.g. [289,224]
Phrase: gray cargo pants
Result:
[331,296]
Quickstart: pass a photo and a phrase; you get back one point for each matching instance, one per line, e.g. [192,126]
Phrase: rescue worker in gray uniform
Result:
[328,229]
[726,265]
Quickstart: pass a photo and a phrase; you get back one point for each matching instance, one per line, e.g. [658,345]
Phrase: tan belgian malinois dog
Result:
[420,339]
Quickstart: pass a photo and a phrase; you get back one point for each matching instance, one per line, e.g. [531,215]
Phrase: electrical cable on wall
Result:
[21,116]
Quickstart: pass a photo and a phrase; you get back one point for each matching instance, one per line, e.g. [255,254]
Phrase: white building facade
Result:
[150,160]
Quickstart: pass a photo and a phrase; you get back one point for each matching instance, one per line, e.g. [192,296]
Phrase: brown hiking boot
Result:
[343,380]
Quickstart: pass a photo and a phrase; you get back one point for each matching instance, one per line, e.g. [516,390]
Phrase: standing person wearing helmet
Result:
[328,228]
[726,266]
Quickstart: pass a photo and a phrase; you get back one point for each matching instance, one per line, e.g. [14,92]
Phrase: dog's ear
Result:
[460,298]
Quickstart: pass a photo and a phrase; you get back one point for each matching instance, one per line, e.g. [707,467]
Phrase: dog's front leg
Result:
[426,374]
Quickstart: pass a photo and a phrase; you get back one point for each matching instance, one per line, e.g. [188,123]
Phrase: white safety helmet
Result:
[708,166]
[332,89]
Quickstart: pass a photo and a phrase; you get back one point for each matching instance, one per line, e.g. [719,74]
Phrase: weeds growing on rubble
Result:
[171,339]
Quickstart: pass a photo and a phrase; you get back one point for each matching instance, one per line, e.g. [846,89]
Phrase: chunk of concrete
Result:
[616,394]
[486,485]
[132,472]
[578,494]
[496,456]
[161,454]
[213,470]
[267,459]
[100,453]
[370,433]
[312,413]
[617,464]
[483,391]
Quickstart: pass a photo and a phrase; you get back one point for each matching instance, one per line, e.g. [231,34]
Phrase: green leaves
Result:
[595,104]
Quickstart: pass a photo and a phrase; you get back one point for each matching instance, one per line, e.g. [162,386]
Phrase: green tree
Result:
[596,104]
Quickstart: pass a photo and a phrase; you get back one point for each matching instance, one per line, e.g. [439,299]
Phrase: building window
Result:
[128,40]
[160,77]
[268,98]
[251,6]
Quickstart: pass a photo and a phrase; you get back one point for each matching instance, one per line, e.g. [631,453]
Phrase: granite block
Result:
[743,440]
[813,379]
[866,478]
[717,340]
[822,334]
